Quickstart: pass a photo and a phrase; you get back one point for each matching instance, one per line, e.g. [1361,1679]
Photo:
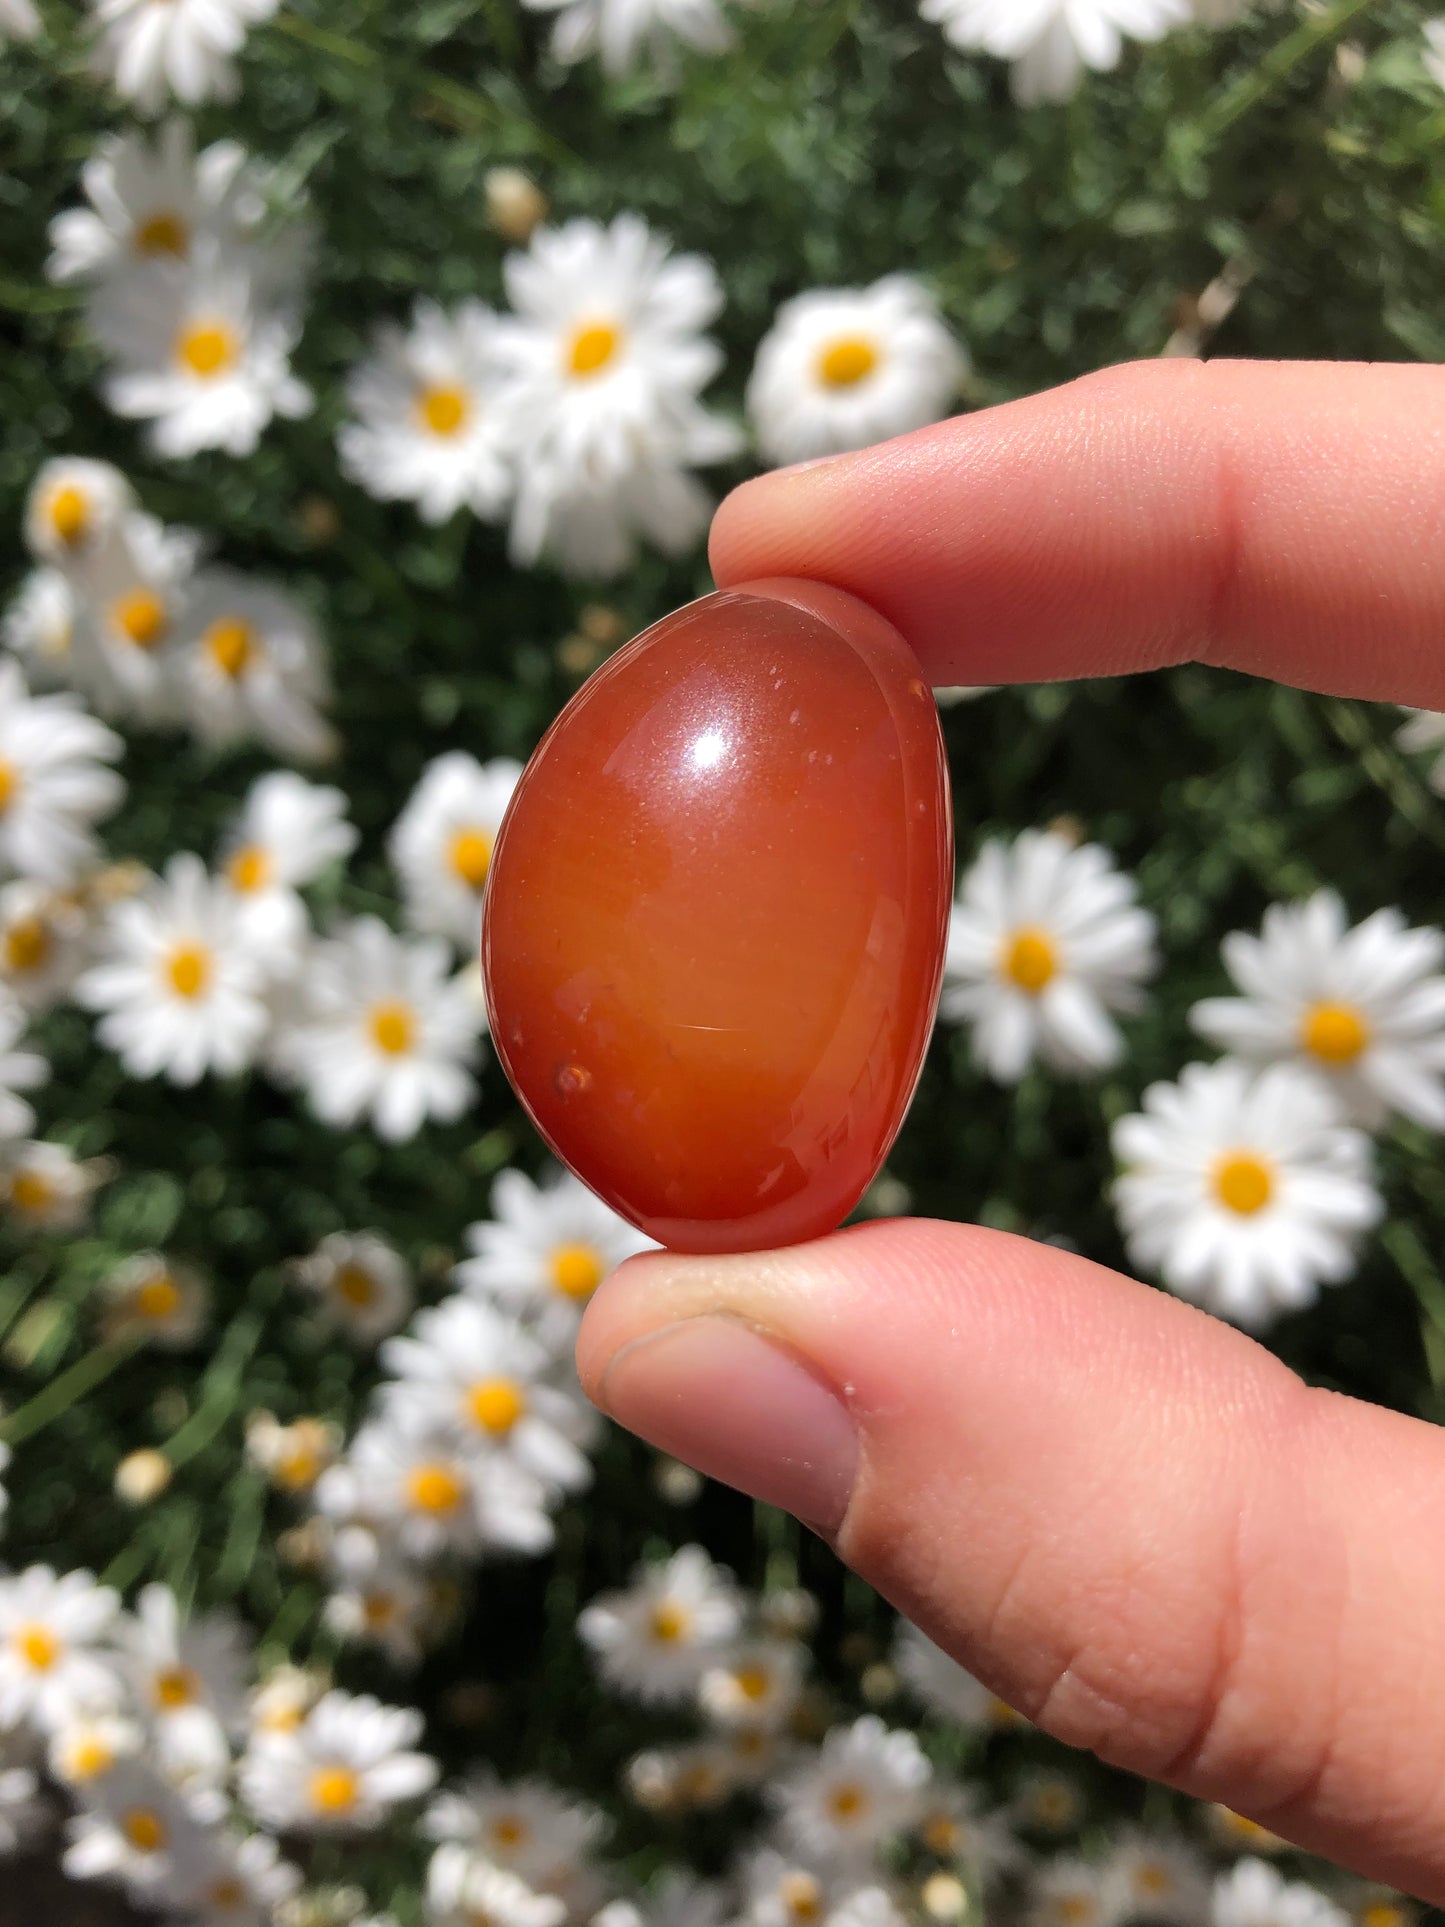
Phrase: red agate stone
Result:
[715,916]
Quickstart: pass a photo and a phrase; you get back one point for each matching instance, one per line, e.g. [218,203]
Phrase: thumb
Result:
[1130,1520]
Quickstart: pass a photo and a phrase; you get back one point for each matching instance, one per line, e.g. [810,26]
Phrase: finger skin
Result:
[1283,518]
[1133,1522]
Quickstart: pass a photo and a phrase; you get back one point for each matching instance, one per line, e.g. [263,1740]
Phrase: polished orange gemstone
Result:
[716,912]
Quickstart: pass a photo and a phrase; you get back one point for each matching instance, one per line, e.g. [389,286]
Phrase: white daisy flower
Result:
[363,1283]
[871,1906]
[945,1688]
[289,832]
[242,1882]
[526,1826]
[692,1778]
[43,943]
[90,1744]
[20,1070]
[1045,941]
[431,1496]
[292,1456]
[55,783]
[54,1662]
[782,1890]
[605,361]
[1067,1893]
[74,506]
[1424,731]
[151,197]
[40,624]
[441,844]
[842,367]
[348,1764]
[1051,42]
[280,1703]
[1432,54]
[861,1786]
[623,32]
[384,1033]
[1362,1006]
[462,1889]
[18,20]
[46,1187]
[758,1685]
[135,1829]
[178,990]
[1253,1894]
[546,1250]
[655,1641]
[952,1827]
[199,350]
[250,665]
[1156,1876]
[1244,1191]
[468,1367]
[389,1606]
[189,1679]
[154,49]
[425,427]
[150,1297]
[136,592]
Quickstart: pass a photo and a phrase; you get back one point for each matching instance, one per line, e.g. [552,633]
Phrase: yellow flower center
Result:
[158,1298]
[334,1789]
[38,1647]
[1074,1909]
[141,617]
[232,644]
[670,1623]
[1335,1033]
[1243,1183]
[509,1832]
[848,1802]
[27,941]
[392,1029]
[31,1192]
[471,856]
[844,363]
[69,509]
[1030,960]
[9,784]
[189,970]
[355,1286]
[178,1686]
[434,1488]
[593,347]
[577,1271]
[250,868]
[445,411]
[495,1404]
[378,1610]
[88,1757]
[226,1894]
[162,234]
[208,349]
[298,1468]
[1152,1879]
[145,1830]
[1054,1806]
[801,1895]
[940,1835]
[1383,1913]
[753,1682]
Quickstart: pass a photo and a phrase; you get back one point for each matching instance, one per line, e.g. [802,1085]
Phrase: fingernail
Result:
[738,1407]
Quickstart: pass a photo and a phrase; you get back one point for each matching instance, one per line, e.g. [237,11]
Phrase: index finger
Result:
[1282,518]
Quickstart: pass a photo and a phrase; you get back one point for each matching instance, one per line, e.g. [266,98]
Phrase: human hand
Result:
[1134,1523]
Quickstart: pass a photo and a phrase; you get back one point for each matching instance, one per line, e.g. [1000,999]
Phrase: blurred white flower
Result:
[54,1657]
[1045,941]
[1253,1894]
[241,1882]
[200,350]
[425,1490]
[870,1906]
[343,1769]
[524,1825]
[546,1250]
[151,197]
[1068,1892]
[1051,42]
[18,20]
[25,1813]
[134,1828]
[388,1606]
[621,32]
[425,426]
[784,1890]
[20,1070]
[462,1888]
[952,1826]
[384,1033]
[73,508]
[46,1187]
[945,1688]
[441,844]
[284,1697]
[758,1685]
[150,1297]
[178,990]
[363,1283]
[1244,1190]
[43,942]
[1155,1876]
[135,593]
[189,1679]
[287,833]
[39,626]
[1362,1006]
[152,49]
[250,664]
[292,1456]
[55,783]
[1432,54]
[466,1366]
[1424,731]
[604,361]
[860,1787]
[90,1744]
[655,1641]
[842,367]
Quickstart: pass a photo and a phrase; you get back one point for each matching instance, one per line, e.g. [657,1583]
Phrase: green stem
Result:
[63,1392]
[338,44]
[219,1389]
[1277,66]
